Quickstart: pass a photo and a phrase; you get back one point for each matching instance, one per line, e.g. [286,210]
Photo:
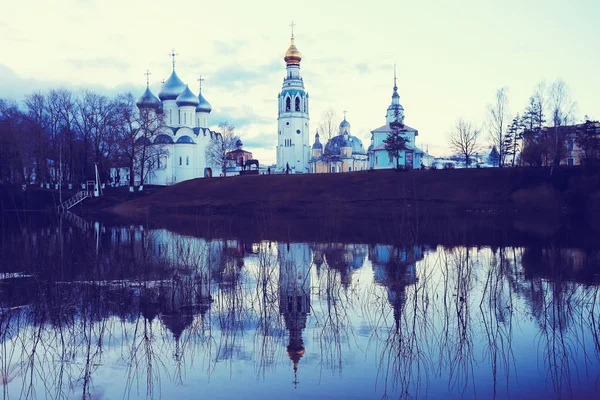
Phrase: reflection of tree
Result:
[402,316]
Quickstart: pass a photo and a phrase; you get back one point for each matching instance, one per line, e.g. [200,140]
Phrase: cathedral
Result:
[177,134]
[293,148]
[343,153]
[410,157]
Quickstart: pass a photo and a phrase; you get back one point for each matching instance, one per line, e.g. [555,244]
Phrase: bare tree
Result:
[463,139]
[220,145]
[36,119]
[562,109]
[498,120]
[133,132]
[328,125]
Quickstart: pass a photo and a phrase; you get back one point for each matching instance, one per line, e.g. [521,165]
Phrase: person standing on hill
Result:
[287,168]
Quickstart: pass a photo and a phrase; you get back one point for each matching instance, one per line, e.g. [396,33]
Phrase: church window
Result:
[180,160]
[298,131]
[288,104]
[185,118]
[287,124]
[280,132]
[170,117]
[187,160]
[297,103]
[179,117]
[198,122]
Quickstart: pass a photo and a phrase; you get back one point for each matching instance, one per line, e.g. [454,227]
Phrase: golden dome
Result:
[292,55]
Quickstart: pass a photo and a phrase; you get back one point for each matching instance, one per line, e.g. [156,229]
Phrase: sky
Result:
[451,56]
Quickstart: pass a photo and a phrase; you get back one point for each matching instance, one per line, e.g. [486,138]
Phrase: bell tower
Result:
[293,146]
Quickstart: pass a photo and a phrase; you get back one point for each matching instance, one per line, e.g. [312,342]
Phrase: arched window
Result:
[288,104]
[297,103]
[187,160]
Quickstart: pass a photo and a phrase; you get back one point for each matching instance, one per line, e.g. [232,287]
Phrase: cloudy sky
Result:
[452,56]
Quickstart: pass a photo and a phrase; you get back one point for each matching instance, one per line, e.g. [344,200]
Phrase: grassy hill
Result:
[379,194]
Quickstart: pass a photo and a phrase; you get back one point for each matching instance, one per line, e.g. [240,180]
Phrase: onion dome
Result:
[317,145]
[187,98]
[148,100]
[171,88]
[292,55]
[344,125]
[203,104]
[333,147]
[239,144]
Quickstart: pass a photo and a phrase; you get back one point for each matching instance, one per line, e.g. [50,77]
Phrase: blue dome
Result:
[370,148]
[171,88]
[185,139]
[344,125]
[148,100]
[203,104]
[332,147]
[163,139]
[317,145]
[187,98]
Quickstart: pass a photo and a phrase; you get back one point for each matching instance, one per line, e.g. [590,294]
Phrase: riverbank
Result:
[381,194]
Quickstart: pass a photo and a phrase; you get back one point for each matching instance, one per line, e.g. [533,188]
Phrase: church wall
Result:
[186,116]
[170,112]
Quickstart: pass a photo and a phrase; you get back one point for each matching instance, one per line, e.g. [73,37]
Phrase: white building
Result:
[293,148]
[378,155]
[181,130]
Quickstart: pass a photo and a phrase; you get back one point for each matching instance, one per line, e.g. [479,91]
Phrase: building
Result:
[293,147]
[379,158]
[577,144]
[237,159]
[342,153]
[174,133]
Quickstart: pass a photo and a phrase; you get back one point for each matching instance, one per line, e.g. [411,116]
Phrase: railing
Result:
[73,201]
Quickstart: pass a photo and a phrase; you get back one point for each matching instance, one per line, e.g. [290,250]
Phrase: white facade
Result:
[183,134]
[293,147]
[378,155]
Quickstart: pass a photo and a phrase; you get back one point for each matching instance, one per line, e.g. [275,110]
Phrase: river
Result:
[107,311]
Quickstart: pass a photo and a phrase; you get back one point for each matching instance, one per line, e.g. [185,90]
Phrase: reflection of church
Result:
[395,268]
[343,258]
[294,295]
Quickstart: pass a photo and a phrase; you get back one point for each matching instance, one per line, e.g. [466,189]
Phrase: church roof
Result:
[163,139]
[148,100]
[334,145]
[203,104]
[187,98]
[292,55]
[186,140]
[171,88]
[386,128]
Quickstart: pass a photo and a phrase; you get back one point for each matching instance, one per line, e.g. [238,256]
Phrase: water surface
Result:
[89,310]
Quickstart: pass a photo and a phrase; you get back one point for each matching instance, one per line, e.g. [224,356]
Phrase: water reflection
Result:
[91,311]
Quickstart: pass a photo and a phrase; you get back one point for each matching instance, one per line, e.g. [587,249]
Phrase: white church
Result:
[293,148]
[411,157]
[180,127]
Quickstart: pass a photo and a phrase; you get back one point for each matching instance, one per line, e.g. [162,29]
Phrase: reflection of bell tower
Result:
[294,295]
